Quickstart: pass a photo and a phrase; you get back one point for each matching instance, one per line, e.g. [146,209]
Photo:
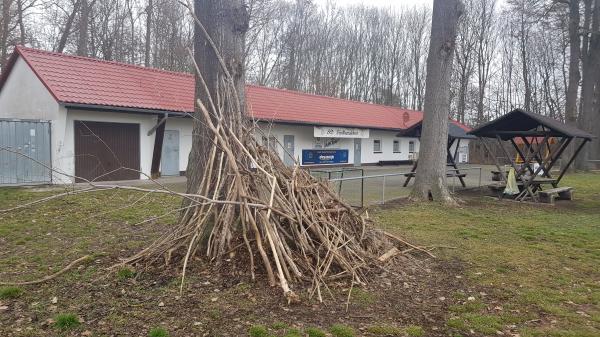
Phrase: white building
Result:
[105,116]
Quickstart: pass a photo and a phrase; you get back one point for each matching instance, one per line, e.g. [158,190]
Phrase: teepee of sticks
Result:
[284,221]
[251,207]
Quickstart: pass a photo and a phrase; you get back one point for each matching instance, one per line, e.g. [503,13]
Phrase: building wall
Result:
[24,96]
[304,139]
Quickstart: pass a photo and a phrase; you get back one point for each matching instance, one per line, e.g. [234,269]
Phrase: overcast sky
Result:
[382,3]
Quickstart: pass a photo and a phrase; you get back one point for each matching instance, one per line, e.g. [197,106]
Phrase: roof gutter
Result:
[108,108]
[274,121]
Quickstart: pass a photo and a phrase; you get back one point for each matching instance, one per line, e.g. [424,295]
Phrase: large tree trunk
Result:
[226,22]
[589,113]
[67,28]
[148,44]
[4,31]
[574,74]
[84,20]
[430,183]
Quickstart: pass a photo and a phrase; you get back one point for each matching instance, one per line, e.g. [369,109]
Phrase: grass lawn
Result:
[539,264]
[531,270]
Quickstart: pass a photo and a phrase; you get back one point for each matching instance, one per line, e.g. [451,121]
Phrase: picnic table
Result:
[544,141]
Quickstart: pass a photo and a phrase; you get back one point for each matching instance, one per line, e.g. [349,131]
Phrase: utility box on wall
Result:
[25,152]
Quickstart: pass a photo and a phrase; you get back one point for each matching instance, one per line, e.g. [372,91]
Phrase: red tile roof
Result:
[81,80]
[295,107]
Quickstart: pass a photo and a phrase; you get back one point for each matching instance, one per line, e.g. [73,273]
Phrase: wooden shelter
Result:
[539,157]
[456,133]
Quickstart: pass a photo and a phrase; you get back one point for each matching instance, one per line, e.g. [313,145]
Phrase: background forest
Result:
[513,53]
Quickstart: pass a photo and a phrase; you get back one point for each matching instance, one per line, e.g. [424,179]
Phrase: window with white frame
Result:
[411,146]
[396,146]
[377,145]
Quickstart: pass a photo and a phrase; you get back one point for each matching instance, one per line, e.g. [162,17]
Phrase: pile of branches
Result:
[250,206]
[286,222]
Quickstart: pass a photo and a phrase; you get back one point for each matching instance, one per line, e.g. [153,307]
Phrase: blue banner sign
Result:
[324,156]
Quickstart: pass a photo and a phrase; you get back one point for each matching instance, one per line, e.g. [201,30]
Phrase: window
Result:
[411,146]
[396,146]
[377,145]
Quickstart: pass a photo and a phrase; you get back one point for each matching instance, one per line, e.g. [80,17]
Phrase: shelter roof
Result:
[519,123]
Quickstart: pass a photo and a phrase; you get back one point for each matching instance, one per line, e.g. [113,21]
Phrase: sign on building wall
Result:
[337,132]
[323,156]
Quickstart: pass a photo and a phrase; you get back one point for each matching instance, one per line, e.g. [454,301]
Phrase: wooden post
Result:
[536,156]
[452,160]
[564,169]
[565,142]
[512,140]
[157,152]
[412,172]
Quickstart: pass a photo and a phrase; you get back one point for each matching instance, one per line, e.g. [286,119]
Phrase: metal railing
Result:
[385,179]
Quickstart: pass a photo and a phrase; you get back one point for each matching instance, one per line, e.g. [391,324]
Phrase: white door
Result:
[170,154]
[357,151]
[288,156]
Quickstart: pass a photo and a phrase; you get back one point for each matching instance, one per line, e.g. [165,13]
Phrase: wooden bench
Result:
[457,175]
[394,162]
[560,193]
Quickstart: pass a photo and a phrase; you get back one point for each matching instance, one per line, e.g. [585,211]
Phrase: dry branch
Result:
[50,277]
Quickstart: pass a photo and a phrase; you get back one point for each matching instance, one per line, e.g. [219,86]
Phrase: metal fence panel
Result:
[25,152]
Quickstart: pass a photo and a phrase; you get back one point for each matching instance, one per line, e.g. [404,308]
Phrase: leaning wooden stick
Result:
[49,277]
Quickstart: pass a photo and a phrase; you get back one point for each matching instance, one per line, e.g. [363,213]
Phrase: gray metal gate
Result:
[25,152]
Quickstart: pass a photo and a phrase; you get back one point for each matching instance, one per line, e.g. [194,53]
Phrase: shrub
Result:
[66,321]
[10,292]
[158,332]
[258,331]
[279,325]
[125,273]
[385,330]
[415,331]
[314,332]
[293,333]
[339,330]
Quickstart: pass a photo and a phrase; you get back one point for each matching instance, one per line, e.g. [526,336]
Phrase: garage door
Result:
[107,151]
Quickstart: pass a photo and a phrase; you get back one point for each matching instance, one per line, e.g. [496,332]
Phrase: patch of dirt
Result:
[410,292]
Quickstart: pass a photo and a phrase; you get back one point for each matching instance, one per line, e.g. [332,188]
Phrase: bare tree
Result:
[589,115]
[227,22]
[148,40]
[430,183]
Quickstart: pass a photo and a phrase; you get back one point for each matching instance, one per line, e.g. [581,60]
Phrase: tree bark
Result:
[590,106]
[430,183]
[574,74]
[148,46]
[4,31]
[67,28]
[226,22]
[84,20]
